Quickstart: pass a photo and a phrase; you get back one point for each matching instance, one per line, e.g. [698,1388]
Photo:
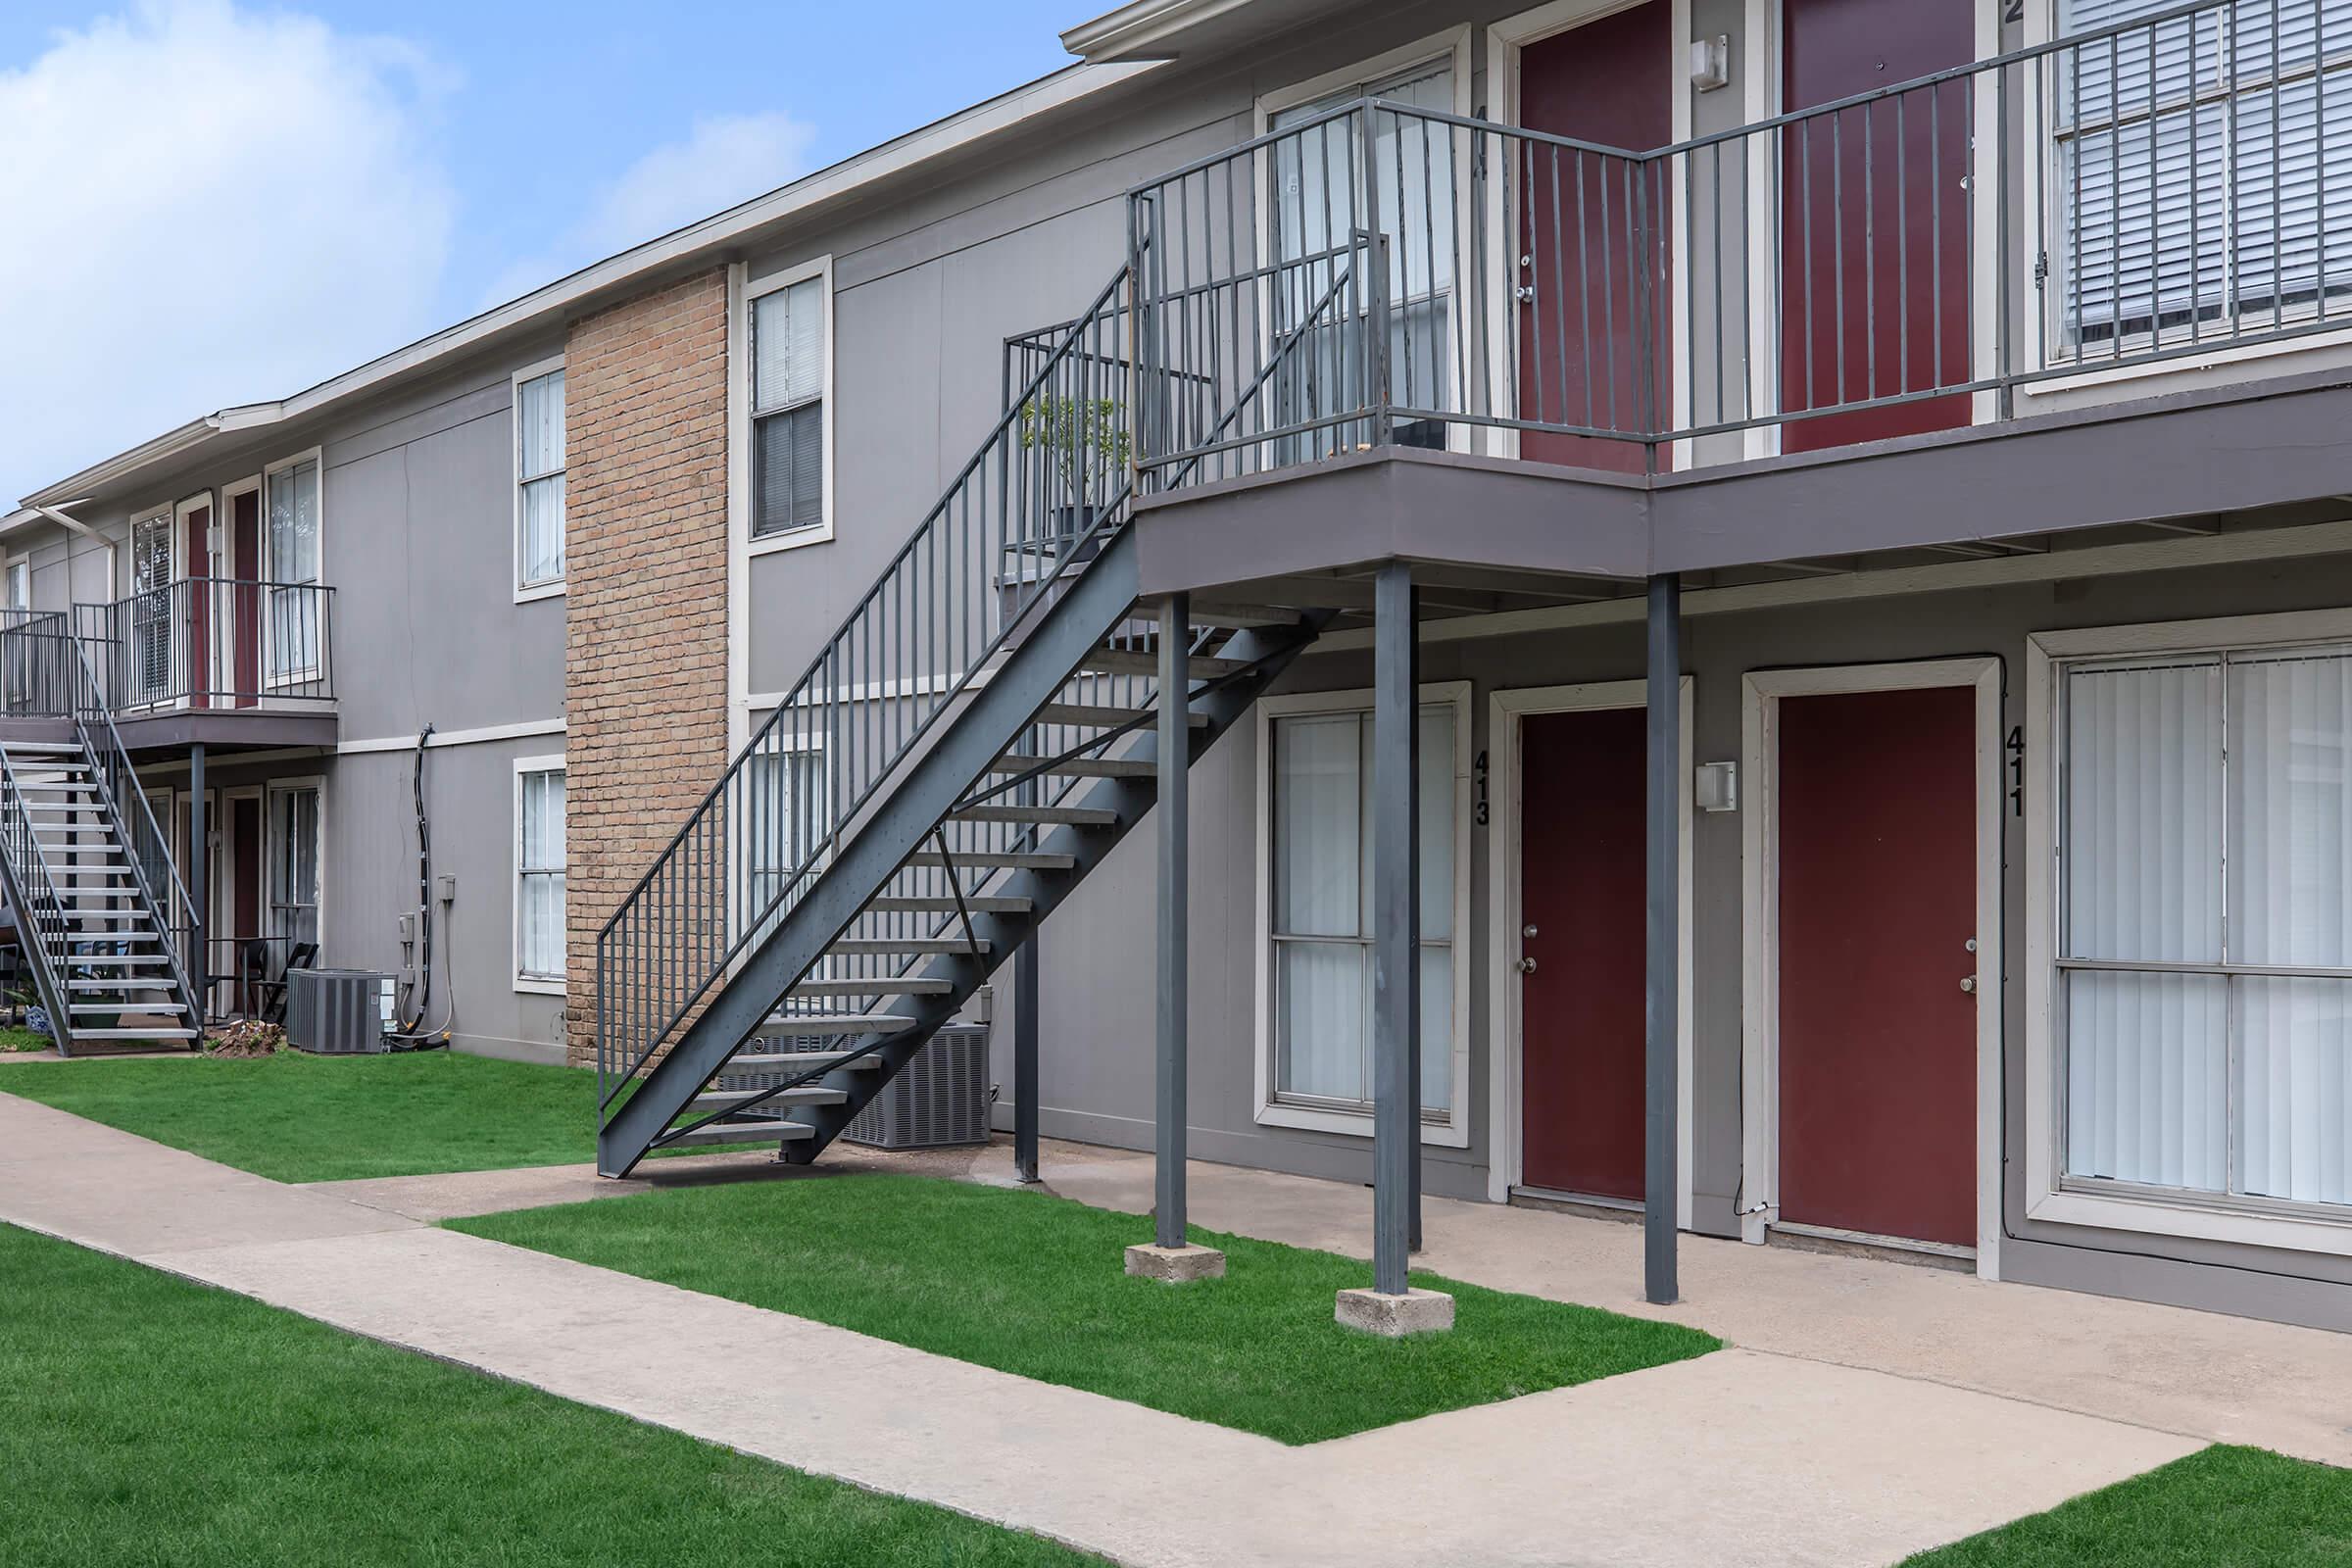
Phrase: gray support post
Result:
[1027,1000]
[1175,970]
[197,891]
[1660,1189]
[1396,932]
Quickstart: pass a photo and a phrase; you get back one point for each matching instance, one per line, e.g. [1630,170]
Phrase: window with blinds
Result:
[2206,929]
[539,873]
[2204,169]
[788,411]
[291,546]
[1321,865]
[539,480]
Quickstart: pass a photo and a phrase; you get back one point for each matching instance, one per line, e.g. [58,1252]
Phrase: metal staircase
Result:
[78,853]
[971,743]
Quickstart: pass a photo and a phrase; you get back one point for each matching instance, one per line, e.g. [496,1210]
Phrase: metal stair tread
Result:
[803,1061]
[739,1132]
[944,903]
[868,947]
[911,985]
[1047,816]
[1074,766]
[1091,715]
[800,1095]
[835,1023]
[169,1032]
[1145,661]
[1016,859]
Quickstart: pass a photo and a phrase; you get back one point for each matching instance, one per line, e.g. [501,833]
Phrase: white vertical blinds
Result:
[539,465]
[1322,866]
[2204,166]
[788,366]
[539,864]
[2208,823]
[292,547]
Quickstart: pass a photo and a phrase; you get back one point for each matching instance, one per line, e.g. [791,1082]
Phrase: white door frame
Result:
[1504,710]
[1759,968]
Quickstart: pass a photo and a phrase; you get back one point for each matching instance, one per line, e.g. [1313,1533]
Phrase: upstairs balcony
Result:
[2038,243]
[204,661]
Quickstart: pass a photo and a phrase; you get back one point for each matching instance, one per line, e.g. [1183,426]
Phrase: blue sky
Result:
[405,163]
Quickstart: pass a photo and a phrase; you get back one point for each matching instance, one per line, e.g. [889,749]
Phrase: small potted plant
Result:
[1089,447]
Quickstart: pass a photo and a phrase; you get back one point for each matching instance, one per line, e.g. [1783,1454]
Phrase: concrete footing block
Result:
[1394,1316]
[1176,1265]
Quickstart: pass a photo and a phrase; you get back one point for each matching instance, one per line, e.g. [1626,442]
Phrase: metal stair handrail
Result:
[40,910]
[112,779]
[1041,491]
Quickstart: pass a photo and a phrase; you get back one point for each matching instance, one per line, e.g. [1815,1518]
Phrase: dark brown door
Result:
[1876,907]
[245,565]
[1580,888]
[198,648]
[245,888]
[1594,235]
[1874,234]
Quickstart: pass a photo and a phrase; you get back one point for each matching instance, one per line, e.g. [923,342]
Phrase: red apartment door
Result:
[1877,1049]
[1874,234]
[1580,889]
[1586,284]
[245,887]
[197,526]
[245,565]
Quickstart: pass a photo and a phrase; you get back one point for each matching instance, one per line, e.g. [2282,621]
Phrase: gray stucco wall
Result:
[1095,1027]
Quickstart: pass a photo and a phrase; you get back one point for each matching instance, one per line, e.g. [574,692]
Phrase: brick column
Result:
[645,643]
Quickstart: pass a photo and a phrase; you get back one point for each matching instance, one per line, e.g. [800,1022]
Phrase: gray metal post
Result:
[1660,1189]
[1175,969]
[1396,932]
[197,891]
[1027,1001]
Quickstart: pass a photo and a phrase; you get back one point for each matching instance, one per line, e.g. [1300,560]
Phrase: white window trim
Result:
[1505,1078]
[553,588]
[531,984]
[1455,1131]
[269,852]
[2164,1214]
[739,400]
[272,678]
[1760,901]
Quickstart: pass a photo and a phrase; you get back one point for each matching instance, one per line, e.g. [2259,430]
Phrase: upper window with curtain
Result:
[539,480]
[1344,175]
[2206,925]
[2204,170]
[1321,865]
[788,409]
[293,629]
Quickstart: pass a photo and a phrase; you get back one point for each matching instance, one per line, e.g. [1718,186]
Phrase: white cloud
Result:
[204,205]
[725,160]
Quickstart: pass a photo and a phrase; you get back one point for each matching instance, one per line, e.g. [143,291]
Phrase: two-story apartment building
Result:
[1848,498]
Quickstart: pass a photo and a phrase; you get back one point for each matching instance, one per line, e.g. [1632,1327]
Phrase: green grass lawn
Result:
[301,1118]
[13,1038]
[2222,1507]
[1031,1284]
[144,1420]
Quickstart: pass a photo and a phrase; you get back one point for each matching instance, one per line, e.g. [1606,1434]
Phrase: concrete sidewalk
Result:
[1741,1457]
[2198,1374]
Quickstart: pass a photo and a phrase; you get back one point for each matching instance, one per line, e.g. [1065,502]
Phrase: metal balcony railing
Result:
[1886,264]
[213,643]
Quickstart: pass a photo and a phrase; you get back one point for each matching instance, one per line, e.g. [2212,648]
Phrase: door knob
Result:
[1969,984]
[1527,967]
